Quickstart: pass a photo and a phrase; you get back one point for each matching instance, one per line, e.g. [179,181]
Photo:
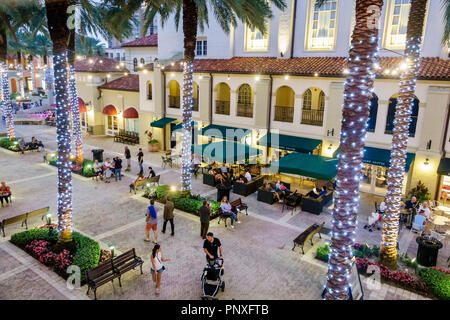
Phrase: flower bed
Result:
[85,170]
[359,250]
[438,280]
[40,243]
[12,145]
[189,204]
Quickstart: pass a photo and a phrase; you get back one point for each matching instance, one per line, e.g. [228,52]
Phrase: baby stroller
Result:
[372,221]
[212,279]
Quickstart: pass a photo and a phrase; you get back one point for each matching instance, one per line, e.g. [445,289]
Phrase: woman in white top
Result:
[425,209]
[156,258]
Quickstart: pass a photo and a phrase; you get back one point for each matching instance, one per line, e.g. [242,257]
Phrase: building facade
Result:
[290,81]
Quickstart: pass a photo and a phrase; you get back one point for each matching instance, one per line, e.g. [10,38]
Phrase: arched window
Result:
[372,121]
[135,63]
[222,91]
[149,90]
[245,101]
[174,94]
[321,100]
[391,115]
[142,61]
[284,104]
[307,100]
[313,107]
[195,96]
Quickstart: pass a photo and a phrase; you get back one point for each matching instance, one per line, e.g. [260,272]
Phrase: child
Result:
[108,175]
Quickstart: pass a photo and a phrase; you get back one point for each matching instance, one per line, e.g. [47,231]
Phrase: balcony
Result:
[223,107]
[312,117]
[284,114]
[195,108]
[174,102]
[245,110]
[149,96]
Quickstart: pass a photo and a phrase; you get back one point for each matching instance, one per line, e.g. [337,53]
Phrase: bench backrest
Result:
[124,257]
[236,202]
[316,230]
[141,182]
[99,270]
[154,179]
[39,212]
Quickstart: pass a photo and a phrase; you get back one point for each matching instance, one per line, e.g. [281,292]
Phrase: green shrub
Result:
[437,281]
[21,239]
[9,144]
[189,204]
[14,95]
[88,168]
[87,255]
[323,252]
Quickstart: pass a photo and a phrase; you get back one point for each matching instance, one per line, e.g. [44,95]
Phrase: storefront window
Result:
[132,125]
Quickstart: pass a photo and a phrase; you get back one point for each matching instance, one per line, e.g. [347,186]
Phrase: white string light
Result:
[7,107]
[73,98]
[186,135]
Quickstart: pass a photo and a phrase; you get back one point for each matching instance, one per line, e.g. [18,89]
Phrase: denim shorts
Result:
[159,271]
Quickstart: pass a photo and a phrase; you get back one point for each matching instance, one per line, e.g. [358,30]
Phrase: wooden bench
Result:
[111,269]
[141,183]
[99,275]
[239,205]
[127,137]
[308,234]
[125,262]
[23,218]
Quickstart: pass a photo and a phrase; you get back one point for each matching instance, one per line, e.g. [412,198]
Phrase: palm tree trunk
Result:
[73,100]
[190,35]
[57,18]
[33,78]
[401,132]
[20,74]
[357,92]
[7,107]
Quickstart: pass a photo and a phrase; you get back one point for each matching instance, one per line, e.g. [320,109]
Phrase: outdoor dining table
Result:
[440,221]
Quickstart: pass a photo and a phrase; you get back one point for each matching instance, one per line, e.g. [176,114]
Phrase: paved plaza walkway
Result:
[259,262]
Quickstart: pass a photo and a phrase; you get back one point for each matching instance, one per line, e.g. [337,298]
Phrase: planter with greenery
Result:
[85,170]
[420,192]
[153,145]
[189,203]
[12,145]
[40,243]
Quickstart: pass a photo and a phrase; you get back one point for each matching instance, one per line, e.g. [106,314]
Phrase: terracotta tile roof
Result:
[148,41]
[431,68]
[126,83]
[99,64]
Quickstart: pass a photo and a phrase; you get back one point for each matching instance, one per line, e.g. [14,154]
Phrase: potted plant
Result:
[153,145]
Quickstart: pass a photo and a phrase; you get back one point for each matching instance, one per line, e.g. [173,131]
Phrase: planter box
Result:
[153,147]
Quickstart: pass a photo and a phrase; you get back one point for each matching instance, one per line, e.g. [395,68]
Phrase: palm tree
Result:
[402,119]
[195,15]
[355,112]
[5,83]
[87,46]
[56,21]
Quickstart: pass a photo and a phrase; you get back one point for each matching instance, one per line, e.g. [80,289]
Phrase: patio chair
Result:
[292,201]
[166,161]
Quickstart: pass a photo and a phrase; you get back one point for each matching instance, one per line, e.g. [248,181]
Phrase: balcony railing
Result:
[245,110]
[195,104]
[223,107]
[284,114]
[149,96]
[174,102]
[312,117]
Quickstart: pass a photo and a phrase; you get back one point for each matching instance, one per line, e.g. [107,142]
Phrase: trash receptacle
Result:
[428,250]
[97,154]
[223,191]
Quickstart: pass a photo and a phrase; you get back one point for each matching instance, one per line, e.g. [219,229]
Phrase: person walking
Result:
[152,222]
[128,157]
[168,216]
[117,168]
[157,268]
[140,156]
[211,245]
[205,213]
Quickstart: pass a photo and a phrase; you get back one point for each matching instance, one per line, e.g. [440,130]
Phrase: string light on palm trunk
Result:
[186,136]
[73,98]
[357,92]
[7,107]
[63,136]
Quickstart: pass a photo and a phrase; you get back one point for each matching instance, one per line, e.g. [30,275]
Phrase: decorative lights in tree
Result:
[7,107]
[357,92]
[73,99]
[401,131]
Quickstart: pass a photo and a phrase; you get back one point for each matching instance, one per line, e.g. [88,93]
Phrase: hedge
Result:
[9,144]
[359,250]
[437,281]
[86,256]
[189,204]
[86,171]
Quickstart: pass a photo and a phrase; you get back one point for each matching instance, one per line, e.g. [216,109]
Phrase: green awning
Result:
[444,167]
[380,157]
[224,132]
[292,143]
[180,126]
[161,122]
[226,151]
[307,165]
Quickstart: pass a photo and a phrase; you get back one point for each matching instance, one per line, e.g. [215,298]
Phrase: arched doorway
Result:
[111,120]
[83,115]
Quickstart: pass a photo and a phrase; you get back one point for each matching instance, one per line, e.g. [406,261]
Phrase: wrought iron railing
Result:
[222,107]
[312,117]
[284,113]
